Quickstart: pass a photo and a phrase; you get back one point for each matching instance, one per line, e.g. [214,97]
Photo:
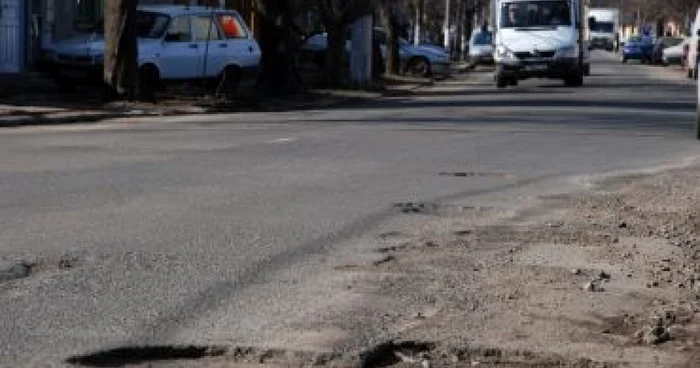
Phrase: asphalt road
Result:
[210,230]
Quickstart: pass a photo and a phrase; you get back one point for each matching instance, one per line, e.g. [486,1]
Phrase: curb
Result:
[15,119]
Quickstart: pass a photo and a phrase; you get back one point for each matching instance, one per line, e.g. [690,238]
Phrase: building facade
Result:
[27,26]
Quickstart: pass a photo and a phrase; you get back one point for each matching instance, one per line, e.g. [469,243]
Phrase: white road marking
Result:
[282,140]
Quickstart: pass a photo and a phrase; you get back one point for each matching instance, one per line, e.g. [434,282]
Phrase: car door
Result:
[241,49]
[180,57]
[212,44]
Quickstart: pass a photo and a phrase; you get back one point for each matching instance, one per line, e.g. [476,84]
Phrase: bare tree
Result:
[390,18]
[280,43]
[121,49]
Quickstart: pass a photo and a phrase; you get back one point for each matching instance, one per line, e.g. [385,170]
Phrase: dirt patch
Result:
[603,278]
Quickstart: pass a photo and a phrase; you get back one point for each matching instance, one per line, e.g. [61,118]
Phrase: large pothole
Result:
[144,354]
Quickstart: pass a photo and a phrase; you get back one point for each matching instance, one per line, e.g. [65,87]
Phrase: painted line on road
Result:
[282,140]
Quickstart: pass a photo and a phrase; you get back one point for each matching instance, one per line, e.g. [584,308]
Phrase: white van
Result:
[693,49]
[540,39]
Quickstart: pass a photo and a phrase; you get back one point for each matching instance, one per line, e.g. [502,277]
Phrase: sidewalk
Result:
[31,99]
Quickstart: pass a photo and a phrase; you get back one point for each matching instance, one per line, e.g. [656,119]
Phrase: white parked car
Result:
[674,55]
[174,43]
[419,60]
[481,47]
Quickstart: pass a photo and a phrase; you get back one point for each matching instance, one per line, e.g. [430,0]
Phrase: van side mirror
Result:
[591,22]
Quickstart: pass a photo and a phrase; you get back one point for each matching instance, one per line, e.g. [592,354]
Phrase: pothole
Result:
[437,209]
[145,354]
[474,174]
[14,270]
[390,354]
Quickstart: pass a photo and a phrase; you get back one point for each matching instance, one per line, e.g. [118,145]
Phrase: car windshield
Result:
[535,14]
[603,27]
[148,24]
[672,41]
[482,38]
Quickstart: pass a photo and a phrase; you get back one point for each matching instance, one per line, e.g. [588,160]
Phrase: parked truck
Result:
[540,39]
[605,33]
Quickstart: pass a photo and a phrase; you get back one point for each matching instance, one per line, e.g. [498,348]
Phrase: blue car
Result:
[638,48]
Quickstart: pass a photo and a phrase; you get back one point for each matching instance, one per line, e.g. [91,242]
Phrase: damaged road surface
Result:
[534,227]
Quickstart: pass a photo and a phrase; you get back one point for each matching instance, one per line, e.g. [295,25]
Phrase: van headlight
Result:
[503,53]
[567,52]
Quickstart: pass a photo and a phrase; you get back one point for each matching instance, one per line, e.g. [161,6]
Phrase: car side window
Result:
[180,30]
[206,28]
[232,26]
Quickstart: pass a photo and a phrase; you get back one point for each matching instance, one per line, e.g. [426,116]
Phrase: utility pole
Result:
[361,51]
[447,24]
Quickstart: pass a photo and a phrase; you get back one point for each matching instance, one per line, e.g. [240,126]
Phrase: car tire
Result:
[229,81]
[501,82]
[624,60]
[65,85]
[513,82]
[419,67]
[149,79]
[587,70]
[574,80]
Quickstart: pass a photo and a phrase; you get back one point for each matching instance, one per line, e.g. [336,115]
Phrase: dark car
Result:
[657,55]
[638,48]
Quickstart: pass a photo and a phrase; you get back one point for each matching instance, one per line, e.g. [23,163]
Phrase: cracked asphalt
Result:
[209,230]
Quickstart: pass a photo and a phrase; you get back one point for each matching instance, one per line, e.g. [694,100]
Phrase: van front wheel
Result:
[574,80]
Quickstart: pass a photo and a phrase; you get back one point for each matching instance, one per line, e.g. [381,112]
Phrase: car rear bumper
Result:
[632,55]
[80,73]
[555,69]
[486,59]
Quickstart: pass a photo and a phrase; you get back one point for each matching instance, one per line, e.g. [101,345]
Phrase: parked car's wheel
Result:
[624,60]
[419,67]
[149,79]
[65,85]
[587,70]
[574,80]
[229,81]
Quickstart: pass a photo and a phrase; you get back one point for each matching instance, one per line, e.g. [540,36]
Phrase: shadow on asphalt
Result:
[539,102]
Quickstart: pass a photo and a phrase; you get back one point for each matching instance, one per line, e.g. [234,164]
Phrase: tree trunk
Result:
[279,74]
[336,58]
[121,49]
[390,18]
[418,26]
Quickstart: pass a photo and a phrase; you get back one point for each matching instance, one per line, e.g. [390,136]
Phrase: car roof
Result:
[175,10]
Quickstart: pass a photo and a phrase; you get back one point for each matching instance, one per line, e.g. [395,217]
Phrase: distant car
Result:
[174,43]
[415,60]
[638,48]
[481,48]
[675,55]
[662,44]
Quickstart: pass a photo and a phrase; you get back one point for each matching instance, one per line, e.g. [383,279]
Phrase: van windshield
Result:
[603,27]
[535,14]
